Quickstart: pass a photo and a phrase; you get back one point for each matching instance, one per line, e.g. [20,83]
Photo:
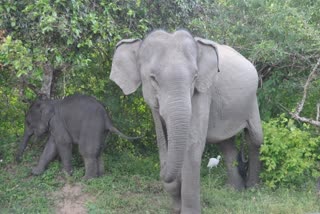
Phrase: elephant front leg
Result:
[190,178]
[190,191]
[48,154]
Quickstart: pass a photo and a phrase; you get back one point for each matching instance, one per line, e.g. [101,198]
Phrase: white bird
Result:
[213,162]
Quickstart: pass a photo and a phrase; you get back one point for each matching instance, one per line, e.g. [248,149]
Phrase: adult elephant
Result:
[198,91]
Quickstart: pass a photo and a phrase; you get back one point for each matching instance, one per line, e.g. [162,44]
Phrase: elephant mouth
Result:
[39,138]
[164,128]
[41,132]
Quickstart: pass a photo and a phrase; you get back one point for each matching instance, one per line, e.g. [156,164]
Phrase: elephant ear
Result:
[47,112]
[124,70]
[208,63]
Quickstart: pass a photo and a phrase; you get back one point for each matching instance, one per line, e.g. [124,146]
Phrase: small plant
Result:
[289,154]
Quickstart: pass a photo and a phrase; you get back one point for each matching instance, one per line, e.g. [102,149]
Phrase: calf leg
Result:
[91,167]
[92,160]
[65,153]
[48,154]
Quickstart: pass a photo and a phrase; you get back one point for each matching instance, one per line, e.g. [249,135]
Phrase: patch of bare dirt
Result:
[71,199]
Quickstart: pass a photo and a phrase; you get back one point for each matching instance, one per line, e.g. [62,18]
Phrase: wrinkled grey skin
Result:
[77,119]
[198,91]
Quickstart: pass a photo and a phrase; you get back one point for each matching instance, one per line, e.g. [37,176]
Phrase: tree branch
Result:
[318,112]
[306,120]
[296,113]
[47,79]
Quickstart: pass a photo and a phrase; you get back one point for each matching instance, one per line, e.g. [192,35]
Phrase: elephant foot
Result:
[235,180]
[174,189]
[176,211]
[87,177]
[68,172]
[253,180]
[176,206]
[101,171]
[37,170]
[237,184]
[237,188]
[251,183]
[100,174]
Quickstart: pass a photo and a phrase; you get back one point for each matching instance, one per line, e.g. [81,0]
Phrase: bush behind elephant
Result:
[193,103]
[77,119]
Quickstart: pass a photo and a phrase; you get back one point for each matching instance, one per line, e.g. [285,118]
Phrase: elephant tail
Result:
[242,165]
[242,162]
[116,131]
[110,127]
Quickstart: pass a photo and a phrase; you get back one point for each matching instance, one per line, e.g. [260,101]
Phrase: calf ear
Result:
[124,70]
[47,112]
[208,63]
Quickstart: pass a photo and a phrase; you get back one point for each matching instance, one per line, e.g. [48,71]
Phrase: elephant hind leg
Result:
[91,167]
[254,139]
[254,128]
[65,153]
[230,155]
[91,162]
[91,156]
[254,162]
[100,166]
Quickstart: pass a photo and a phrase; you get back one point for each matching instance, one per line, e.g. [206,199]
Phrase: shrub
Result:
[289,154]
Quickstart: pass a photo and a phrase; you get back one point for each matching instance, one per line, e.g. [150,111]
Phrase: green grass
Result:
[131,185]
[262,200]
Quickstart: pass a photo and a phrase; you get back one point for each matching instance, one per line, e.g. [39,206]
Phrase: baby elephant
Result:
[77,119]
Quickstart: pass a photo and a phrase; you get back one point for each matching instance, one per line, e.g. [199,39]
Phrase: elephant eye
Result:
[154,80]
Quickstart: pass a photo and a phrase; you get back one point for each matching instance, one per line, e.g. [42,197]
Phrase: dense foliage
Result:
[290,155]
[59,47]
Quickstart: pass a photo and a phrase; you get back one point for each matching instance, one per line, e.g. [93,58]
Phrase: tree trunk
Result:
[47,80]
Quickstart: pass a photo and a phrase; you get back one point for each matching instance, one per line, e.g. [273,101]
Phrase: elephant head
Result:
[171,68]
[36,123]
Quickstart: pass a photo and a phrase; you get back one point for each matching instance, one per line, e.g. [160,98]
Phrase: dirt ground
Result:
[71,199]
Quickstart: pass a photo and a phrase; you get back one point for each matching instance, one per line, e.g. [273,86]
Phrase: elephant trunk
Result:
[23,144]
[178,127]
